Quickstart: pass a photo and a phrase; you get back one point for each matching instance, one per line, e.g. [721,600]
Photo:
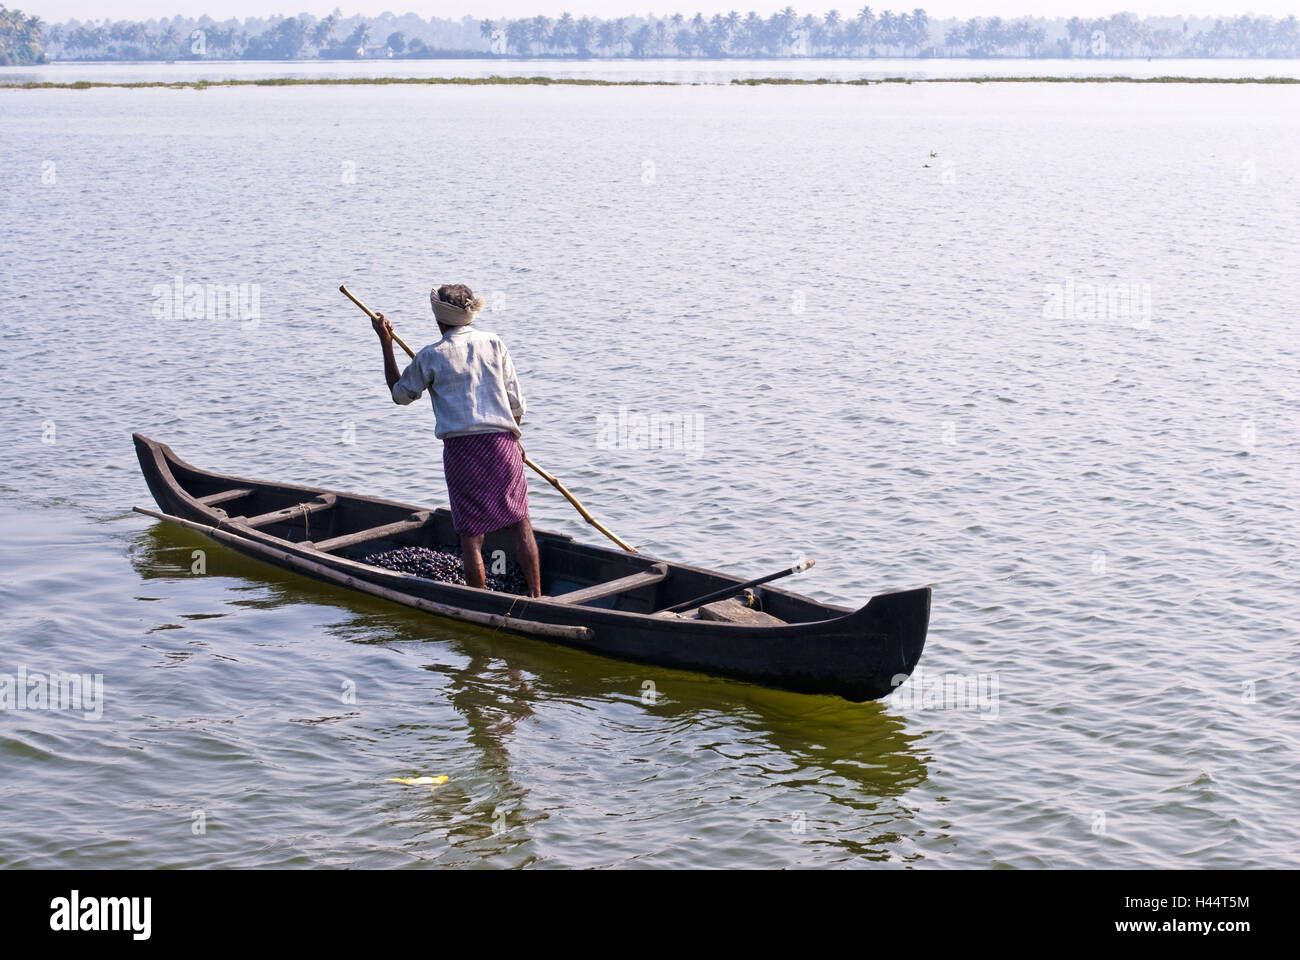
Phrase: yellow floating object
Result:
[429,782]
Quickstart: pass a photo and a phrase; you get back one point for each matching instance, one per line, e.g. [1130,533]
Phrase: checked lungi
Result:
[485,481]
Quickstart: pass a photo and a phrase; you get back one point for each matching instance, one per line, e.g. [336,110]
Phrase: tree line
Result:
[20,38]
[861,34]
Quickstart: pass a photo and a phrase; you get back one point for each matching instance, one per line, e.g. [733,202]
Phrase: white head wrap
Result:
[449,314]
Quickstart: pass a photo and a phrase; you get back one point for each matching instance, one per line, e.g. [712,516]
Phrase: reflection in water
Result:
[857,758]
[492,704]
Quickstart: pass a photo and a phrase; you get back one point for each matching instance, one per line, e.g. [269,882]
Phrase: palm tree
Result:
[320,33]
[752,31]
[519,34]
[887,28]
[540,31]
[76,40]
[1074,30]
[582,34]
[783,28]
[562,35]
[851,37]
[920,30]
[355,44]
[640,39]
[719,35]
[868,26]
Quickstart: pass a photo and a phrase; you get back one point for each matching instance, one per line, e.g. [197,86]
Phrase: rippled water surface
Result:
[854,290]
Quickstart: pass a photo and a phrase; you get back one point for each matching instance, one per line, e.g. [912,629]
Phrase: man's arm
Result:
[385,331]
[514,395]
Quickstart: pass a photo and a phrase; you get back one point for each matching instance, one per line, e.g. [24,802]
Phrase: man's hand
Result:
[385,331]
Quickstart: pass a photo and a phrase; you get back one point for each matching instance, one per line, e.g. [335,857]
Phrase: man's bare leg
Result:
[526,552]
[471,555]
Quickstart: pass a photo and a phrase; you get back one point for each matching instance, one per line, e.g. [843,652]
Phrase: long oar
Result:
[731,591]
[544,475]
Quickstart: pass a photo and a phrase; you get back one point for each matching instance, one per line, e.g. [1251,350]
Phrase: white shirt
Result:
[471,380]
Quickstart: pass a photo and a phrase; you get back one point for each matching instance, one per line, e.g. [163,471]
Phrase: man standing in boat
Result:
[478,407]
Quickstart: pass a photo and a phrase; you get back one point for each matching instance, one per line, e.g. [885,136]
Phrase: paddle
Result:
[731,591]
[544,475]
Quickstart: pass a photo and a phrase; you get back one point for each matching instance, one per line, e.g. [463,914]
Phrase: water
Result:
[1106,507]
[659,70]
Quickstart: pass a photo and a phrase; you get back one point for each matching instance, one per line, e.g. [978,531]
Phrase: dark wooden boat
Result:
[598,599]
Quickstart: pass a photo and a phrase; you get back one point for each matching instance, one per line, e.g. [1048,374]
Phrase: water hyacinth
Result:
[445,565]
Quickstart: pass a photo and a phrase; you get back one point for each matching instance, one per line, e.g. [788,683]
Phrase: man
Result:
[478,408]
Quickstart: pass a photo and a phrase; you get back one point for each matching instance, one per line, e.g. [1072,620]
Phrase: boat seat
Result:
[598,591]
[414,522]
[212,499]
[733,610]
[324,502]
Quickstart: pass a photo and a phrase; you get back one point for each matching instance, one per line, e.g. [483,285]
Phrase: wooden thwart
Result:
[225,496]
[324,502]
[645,578]
[415,522]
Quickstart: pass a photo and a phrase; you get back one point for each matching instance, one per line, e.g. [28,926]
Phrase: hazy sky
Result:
[57,10]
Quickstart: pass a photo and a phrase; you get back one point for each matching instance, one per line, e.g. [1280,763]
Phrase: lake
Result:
[1031,344]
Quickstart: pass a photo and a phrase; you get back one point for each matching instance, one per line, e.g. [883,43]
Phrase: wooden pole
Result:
[737,588]
[578,506]
[544,475]
[370,313]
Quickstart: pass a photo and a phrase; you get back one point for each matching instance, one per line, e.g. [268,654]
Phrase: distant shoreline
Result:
[584,82]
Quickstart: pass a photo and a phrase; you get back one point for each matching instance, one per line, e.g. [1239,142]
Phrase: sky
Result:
[53,11]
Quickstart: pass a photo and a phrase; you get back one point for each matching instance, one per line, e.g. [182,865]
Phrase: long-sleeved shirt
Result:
[471,380]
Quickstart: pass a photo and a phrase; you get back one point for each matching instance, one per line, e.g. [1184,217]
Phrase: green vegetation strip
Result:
[577,82]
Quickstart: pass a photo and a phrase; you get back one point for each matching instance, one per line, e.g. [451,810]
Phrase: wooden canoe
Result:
[598,599]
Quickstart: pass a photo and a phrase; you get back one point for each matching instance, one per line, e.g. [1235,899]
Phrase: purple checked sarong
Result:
[485,481]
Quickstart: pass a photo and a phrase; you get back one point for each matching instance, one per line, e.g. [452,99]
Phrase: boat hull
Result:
[858,654]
